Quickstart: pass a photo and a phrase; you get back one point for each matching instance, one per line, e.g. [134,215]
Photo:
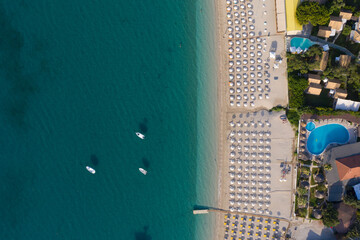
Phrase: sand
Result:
[282,134]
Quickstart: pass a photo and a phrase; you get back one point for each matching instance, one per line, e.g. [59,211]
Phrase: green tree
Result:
[312,12]
[327,167]
[297,86]
[330,216]
[346,31]
[336,6]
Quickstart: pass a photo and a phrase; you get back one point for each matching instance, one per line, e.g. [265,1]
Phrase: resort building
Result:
[355,36]
[333,84]
[357,190]
[336,25]
[324,31]
[340,93]
[345,162]
[346,14]
[314,89]
[314,78]
[348,105]
[323,61]
[344,60]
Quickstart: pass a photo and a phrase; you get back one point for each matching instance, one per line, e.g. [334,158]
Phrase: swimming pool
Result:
[303,43]
[322,136]
[310,126]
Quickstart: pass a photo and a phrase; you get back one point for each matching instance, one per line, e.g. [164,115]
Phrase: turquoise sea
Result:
[78,78]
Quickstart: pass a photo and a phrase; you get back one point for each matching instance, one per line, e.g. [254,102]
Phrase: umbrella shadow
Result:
[94,159]
[143,235]
[143,125]
[145,162]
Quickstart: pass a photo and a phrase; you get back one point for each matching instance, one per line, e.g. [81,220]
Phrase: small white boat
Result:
[143,171]
[91,170]
[140,135]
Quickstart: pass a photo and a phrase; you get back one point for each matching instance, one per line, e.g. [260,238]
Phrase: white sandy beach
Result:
[266,89]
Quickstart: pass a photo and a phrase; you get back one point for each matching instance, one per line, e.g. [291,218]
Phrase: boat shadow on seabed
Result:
[143,235]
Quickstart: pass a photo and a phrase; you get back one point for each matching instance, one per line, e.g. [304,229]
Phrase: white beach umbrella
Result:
[237,35]
[232,161]
[238,62]
[237,42]
[238,104]
[231,36]
[252,33]
[252,74]
[231,188]
[238,76]
[237,21]
[231,50]
[228,2]
[252,68]
[232,174]
[231,42]
[230,29]
[267,81]
[228,15]
[231,70]
[232,90]
[238,90]
[238,49]
[267,96]
[231,103]
[244,34]
[232,168]
[259,67]
[236,14]
[231,56]
[238,97]
[249,5]
[228,8]
[238,69]
[245,49]
[243,20]
[259,74]
[261,141]
[259,53]
[259,60]
[243,14]
[252,54]
[236,7]
[252,61]
[232,195]
[238,55]
[232,181]
[229,22]
[250,13]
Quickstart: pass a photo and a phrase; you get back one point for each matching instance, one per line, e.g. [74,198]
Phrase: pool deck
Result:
[350,126]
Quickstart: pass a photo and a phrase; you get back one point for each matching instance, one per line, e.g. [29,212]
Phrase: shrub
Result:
[327,167]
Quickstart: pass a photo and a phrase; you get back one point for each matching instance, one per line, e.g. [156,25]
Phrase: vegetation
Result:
[312,12]
[327,167]
[346,31]
[305,170]
[305,62]
[302,200]
[350,198]
[354,231]
[297,86]
[336,6]
[302,191]
[330,216]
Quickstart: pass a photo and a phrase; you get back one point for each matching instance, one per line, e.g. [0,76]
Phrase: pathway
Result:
[333,45]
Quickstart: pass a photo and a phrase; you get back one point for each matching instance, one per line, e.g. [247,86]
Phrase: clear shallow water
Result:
[78,79]
[303,43]
[322,136]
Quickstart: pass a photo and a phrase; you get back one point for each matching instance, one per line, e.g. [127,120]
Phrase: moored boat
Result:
[143,171]
[91,170]
[140,135]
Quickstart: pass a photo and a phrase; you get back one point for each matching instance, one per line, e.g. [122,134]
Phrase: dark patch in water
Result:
[143,126]
[143,235]
[20,84]
[145,162]
[94,159]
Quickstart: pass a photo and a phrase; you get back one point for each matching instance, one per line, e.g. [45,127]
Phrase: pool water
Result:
[322,136]
[310,126]
[303,43]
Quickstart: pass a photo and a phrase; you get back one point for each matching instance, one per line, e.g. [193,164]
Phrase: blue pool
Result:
[303,43]
[310,126]
[322,136]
